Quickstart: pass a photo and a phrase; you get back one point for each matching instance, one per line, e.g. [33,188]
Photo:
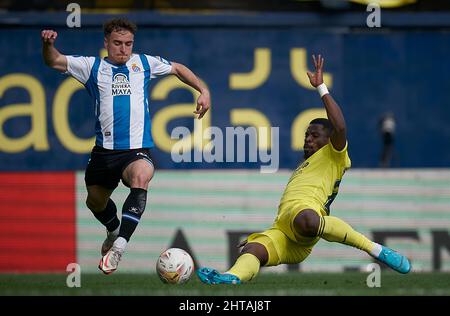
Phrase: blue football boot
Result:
[211,276]
[394,260]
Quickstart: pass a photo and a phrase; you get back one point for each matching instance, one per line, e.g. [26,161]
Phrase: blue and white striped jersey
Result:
[120,94]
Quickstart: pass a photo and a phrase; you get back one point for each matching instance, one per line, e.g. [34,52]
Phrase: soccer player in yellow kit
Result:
[303,213]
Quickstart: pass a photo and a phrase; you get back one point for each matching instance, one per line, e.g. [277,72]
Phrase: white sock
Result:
[376,250]
[120,243]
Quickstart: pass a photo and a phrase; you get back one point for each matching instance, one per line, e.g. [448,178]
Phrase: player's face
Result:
[316,137]
[119,45]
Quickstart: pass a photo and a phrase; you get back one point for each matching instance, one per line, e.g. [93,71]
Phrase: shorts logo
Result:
[142,154]
[107,133]
[145,157]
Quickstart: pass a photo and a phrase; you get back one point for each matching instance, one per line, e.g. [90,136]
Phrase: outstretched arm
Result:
[188,77]
[52,57]
[339,136]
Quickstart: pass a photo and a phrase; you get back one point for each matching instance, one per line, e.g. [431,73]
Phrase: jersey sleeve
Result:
[341,155]
[159,66]
[80,67]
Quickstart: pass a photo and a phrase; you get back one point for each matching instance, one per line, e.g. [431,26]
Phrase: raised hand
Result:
[49,36]
[203,105]
[316,78]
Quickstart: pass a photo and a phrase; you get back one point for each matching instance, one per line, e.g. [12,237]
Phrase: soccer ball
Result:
[175,266]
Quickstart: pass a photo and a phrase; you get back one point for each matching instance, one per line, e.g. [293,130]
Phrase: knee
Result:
[95,205]
[306,223]
[140,180]
[258,250]
[138,174]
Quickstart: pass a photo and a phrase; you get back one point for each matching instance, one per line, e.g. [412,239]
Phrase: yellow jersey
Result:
[316,181]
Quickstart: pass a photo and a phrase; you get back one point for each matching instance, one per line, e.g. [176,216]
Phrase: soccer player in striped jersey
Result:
[118,86]
[304,210]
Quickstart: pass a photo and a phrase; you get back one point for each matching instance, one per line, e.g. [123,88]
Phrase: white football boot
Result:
[110,261]
[109,241]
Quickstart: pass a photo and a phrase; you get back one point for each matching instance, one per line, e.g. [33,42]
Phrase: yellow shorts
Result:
[283,244]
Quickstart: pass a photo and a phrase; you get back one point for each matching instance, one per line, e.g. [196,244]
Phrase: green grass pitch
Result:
[266,284]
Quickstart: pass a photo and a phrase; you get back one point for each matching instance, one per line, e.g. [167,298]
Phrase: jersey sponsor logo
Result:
[120,85]
[135,68]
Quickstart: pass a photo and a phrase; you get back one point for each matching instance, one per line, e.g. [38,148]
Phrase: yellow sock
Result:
[246,267]
[336,230]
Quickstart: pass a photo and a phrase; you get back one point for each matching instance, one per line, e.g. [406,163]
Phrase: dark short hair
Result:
[118,24]
[325,123]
